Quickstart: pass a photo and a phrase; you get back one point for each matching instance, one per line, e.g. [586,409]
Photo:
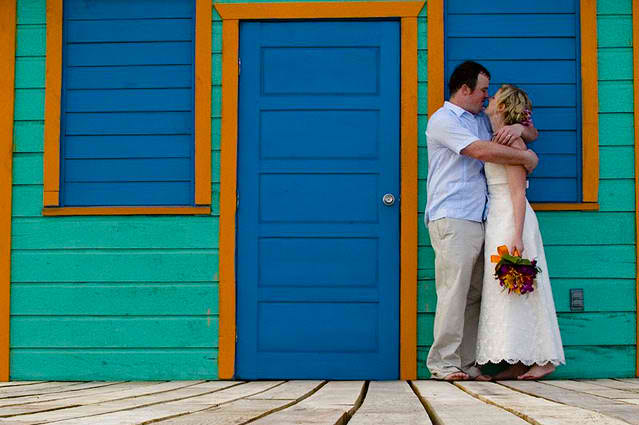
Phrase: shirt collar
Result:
[457,110]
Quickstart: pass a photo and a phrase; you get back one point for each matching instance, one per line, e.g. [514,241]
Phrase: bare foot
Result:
[538,372]
[457,376]
[512,372]
[483,378]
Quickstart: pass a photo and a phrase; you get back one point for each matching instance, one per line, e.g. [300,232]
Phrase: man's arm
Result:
[493,152]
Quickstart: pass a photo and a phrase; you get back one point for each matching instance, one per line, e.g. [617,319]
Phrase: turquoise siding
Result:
[104,297]
[137,297]
[590,250]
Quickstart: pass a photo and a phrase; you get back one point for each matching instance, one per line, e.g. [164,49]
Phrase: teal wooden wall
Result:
[137,297]
[104,297]
[590,250]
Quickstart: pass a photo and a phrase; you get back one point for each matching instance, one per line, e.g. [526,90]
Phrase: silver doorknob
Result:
[388,199]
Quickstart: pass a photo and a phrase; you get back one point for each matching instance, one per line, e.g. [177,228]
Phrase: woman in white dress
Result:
[521,330]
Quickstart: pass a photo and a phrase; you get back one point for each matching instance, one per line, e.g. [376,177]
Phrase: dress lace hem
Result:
[527,362]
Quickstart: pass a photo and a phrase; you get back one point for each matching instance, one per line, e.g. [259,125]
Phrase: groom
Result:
[459,135]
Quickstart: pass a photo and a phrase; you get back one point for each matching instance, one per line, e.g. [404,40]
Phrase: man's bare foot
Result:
[538,372]
[457,376]
[512,372]
[483,378]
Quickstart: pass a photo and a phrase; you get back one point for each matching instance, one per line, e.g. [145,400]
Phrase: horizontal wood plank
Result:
[599,329]
[113,299]
[549,391]
[611,361]
[389,402]
[114,332]
[534,409]
[600,295]
[113,364]
[448,404]
[115,266]
[331,404]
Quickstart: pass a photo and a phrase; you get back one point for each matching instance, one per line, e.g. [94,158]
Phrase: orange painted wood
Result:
[566,206]
[589,101]
[319,10]
[436,79]
[635,55]
[53,92]
[203,65]
[7,80]
[52,211]
[409,219]
[228,197]
[230,14]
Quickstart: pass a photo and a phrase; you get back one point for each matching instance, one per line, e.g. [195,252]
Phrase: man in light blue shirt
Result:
[459,141]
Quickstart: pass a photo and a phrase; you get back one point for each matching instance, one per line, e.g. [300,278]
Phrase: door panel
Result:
[317,250]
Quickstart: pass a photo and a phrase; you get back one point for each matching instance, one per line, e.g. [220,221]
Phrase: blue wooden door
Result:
[317,250]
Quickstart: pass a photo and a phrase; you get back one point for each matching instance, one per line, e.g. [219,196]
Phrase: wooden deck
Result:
[605,401]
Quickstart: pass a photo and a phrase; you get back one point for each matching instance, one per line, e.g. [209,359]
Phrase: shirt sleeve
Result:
[449,133]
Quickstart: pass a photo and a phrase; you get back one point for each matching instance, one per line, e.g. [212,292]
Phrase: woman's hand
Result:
[508,134]
[517,247]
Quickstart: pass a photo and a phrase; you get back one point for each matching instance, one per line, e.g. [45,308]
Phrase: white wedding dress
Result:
[515,328]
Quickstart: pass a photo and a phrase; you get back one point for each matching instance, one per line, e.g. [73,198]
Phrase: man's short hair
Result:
[466,73]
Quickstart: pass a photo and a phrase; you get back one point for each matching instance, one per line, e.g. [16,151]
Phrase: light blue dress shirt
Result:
[456,182]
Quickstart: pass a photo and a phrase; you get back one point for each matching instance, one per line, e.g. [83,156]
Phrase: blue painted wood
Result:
[125,77]
[128,193]
[129,100]
[129,30]
[512,6]
[103,54]
[537,25]
[119,9]
[127,146]
[534,45]
[318,253]
[127,103]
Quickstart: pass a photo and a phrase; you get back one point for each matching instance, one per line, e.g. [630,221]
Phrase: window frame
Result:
[589,98]
[52,116]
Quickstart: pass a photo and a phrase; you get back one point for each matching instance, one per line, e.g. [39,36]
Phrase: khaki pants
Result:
[459,271]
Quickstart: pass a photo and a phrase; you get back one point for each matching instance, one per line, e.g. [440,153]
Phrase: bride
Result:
[521,330]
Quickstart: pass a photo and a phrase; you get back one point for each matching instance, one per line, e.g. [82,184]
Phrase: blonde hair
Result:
[517,104]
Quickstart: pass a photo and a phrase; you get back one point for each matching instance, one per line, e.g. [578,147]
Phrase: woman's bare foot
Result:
[457,376]
[512,372]
[484,378]
[538,372]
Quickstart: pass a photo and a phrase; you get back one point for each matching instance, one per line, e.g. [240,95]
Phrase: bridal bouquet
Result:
[516,274]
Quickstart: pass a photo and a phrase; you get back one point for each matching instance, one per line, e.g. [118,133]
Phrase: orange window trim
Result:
[635,54]
[53,93]
[7,80]
[590,108]
[231,15]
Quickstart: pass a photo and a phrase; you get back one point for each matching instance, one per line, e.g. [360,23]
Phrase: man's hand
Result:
[508,134]
[531,162]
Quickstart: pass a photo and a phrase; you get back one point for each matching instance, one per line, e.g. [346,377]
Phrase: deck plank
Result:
[390,402]
[98,405]
[616,384]
[35,389]
[592,388]
[18,383]
[112,387]
[619,409]
[450,405]
[47,402]
[534,409]
[332,404]
[175,408]
[250,408]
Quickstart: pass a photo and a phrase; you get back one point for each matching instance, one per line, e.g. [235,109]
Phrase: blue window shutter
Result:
[127,112]
[536,46]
